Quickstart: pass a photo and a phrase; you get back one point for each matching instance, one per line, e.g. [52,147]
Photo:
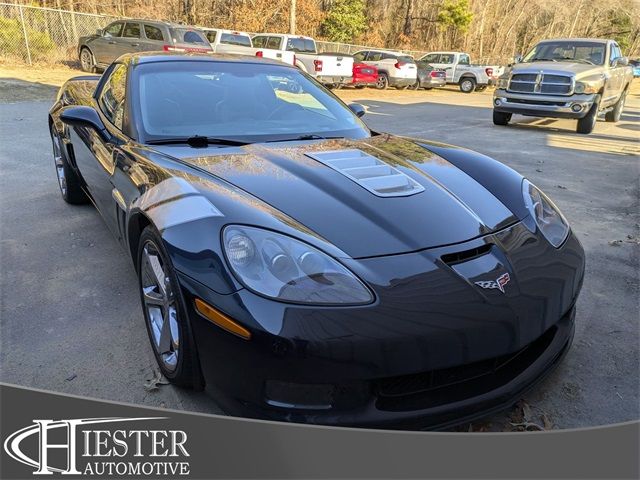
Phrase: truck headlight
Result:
[503,82]
[585,87]
[547,216]
[285,269]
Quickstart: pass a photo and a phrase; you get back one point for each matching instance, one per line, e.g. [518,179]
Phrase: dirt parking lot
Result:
[69,307]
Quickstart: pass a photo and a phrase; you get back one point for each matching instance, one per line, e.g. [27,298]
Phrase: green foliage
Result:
[12,41]
[456,14]
[621,27]
[345,20]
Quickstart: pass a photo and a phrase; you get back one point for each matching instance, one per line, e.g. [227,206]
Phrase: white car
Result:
[395,69]
[462,72]
[328,68]
[240,43]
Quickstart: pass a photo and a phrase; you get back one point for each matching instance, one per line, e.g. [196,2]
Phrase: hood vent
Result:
[367,171]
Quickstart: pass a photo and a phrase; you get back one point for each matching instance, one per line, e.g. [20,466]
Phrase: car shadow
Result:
[14,90]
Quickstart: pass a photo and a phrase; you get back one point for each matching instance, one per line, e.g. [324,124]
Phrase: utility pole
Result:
[292,18]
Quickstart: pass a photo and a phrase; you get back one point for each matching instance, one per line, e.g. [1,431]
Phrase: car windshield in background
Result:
[237,101]
[583,52]
[185,35]
[406,59]
[235,39]
[301,45]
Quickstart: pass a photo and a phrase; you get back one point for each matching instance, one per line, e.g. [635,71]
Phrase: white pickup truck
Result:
[240,43]
[328,68]
[462,72]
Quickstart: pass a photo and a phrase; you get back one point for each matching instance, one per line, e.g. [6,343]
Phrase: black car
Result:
[429,77]
[96,52]
[302,267]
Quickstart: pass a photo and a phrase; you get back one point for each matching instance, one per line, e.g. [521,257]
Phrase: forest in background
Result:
[488,29]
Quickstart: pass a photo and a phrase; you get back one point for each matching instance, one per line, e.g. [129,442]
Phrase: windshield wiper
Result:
[544,60]
[312,136]
[198,141]
[589,62]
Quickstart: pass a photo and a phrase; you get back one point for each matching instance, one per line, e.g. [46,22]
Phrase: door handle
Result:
[135,44]
[112,42]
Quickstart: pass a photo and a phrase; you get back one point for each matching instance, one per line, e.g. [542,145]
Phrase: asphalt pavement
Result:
[70,316]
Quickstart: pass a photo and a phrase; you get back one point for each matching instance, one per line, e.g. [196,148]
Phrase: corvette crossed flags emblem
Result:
[498,283]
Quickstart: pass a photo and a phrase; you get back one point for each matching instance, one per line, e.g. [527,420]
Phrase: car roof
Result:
[390,52]
[592,40]
[223,30]
[154,22]
[140,58]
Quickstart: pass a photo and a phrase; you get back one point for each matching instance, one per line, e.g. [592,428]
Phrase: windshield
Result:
[236,39]
[562,51]
[239,101]
[301,45]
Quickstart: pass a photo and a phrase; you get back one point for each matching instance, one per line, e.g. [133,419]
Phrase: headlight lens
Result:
[286,269]
[550,221]
[585,87]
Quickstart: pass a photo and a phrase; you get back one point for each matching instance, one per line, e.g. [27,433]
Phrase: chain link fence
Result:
[34,34]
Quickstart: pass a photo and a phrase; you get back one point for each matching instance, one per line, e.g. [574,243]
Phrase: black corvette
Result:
[301,267]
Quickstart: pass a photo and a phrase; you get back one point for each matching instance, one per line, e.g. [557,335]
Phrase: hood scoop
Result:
[378,177]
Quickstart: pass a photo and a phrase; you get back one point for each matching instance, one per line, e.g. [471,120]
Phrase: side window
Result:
[153,33]
[274,43]
[446,58]
[113,30]
[464,60]
[211,35]
[112,96]
[374,56]
[131,30]
[431,58]
[259,42]
[359,57]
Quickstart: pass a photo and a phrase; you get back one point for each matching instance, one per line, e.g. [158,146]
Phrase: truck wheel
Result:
[615,114]
[467,84]
[383,82]
[501,118]
[588,122]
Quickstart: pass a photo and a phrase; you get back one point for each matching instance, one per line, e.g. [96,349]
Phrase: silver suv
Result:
[129,36]
[395,69]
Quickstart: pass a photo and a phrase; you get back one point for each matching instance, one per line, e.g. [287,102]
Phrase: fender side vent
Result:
[378,177]
[466,255]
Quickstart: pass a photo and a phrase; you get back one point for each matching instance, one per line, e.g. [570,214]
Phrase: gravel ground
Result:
[69,311]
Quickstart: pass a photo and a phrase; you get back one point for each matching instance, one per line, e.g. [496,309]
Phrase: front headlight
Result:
[585,87]
[286,269]
[547,216]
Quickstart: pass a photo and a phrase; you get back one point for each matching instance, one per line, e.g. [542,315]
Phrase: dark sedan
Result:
[429,77]
[302,267]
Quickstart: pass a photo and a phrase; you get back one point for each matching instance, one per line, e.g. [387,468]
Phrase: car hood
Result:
[447,206]
[576,69]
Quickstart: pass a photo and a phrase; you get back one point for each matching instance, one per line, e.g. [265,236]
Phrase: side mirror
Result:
[85,117]
[517,58]
[622,61]
[357,109]
[99,32]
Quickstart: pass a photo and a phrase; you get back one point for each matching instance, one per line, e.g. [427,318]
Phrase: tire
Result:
[383,82]
[68,181]
[403,87]
[360,87]
[615,114]
[501,118]
[177,359]
[87,62]
[415,86]
[586,124]
[467,84]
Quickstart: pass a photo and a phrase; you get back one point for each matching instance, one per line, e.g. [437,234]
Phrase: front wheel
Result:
[165,313]
[588,122]
[383,82]
[501,118]
[467,85]
[615,114]
[86,60]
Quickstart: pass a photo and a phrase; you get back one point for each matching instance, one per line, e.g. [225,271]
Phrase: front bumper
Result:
[429,353]
[536,105]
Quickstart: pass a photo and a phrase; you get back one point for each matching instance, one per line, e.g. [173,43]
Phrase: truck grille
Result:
[545,84]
